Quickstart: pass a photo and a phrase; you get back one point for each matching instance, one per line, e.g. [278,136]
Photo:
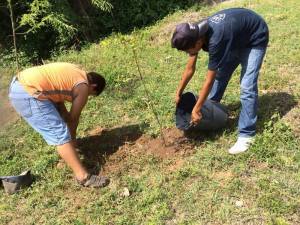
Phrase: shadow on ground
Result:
[109,148]
[269,104]
[96,148]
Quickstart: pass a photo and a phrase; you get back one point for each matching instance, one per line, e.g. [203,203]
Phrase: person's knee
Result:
[249,86]
[248,95]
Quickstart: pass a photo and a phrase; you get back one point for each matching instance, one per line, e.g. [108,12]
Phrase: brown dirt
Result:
[7,112]
[223,177]
[292,117]
[112,150]
[175,143]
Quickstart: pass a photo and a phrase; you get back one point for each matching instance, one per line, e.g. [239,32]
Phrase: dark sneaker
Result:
[94,181]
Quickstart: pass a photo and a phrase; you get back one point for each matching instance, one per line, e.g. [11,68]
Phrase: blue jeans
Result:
[250,60]
[40,115]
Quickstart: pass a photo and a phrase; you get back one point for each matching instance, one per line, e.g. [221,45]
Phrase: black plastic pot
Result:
[214,114]
[12,184]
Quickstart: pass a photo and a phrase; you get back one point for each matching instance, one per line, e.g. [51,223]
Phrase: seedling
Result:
[148,97]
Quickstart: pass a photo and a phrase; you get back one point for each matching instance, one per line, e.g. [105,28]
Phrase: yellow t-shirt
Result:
[53,81]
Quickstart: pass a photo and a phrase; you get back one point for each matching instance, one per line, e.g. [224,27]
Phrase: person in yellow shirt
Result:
[38,95]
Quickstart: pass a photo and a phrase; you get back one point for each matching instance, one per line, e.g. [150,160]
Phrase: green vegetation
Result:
[45,27]
[208,186]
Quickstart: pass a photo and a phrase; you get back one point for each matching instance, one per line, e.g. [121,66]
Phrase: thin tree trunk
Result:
[14,32]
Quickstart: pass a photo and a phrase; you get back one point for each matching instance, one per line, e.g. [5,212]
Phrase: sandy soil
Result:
[7,112]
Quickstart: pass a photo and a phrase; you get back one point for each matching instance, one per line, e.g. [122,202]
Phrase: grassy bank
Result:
[207,186]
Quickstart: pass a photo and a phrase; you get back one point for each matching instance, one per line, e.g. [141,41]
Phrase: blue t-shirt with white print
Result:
[233,29]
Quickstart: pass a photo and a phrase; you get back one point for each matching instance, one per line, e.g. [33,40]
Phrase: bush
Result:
[129,14]
[47,26]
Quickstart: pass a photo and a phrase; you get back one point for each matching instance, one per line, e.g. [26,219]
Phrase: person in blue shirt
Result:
[232,37]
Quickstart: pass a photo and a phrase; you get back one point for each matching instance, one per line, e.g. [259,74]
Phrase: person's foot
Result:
[241,145]
[94,181]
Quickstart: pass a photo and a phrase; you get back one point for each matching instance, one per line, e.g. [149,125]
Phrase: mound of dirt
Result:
[110,150]
[172,143]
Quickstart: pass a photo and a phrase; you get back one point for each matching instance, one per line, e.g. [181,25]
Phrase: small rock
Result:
[239,203]
[126,192]
[61,164]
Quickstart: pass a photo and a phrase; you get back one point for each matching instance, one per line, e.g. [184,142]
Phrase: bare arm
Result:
[203,93]
[63,111]
[206,87]
[80,97]
[186,76]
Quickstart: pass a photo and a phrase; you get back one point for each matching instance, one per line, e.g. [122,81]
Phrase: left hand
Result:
[196,117]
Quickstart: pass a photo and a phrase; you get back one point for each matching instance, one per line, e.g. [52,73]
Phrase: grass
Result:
[202,188]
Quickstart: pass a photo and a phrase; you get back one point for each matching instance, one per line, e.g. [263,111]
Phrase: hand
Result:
[196,117]
[177,98]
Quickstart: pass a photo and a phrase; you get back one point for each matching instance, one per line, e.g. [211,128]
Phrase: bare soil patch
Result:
[112,150]
[7,112]
[223,177]
[293,116]
[293,119]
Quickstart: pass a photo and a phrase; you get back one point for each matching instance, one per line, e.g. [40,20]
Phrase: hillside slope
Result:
[189,182]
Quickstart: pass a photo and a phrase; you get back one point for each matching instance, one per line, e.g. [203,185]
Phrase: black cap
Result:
[186,35]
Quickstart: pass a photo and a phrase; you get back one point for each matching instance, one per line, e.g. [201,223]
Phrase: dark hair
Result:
[96,78]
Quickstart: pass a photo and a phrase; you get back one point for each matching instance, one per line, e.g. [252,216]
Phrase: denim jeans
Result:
[40,115]
[250,60]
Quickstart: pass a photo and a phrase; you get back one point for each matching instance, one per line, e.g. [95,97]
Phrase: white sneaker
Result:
[241,145]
